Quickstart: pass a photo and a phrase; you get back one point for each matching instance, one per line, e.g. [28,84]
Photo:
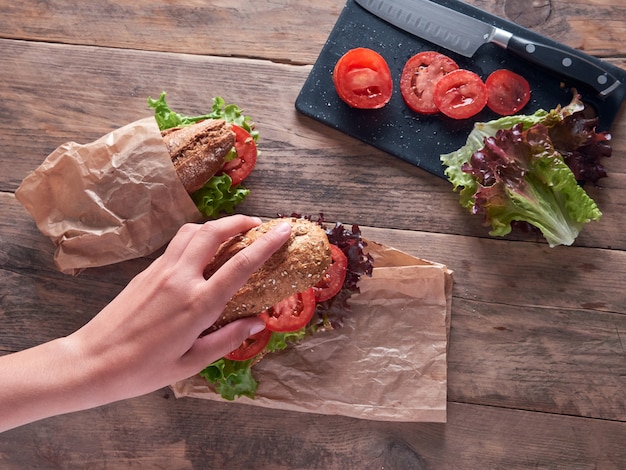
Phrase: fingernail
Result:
[283,227]
[257,327]
[256,220]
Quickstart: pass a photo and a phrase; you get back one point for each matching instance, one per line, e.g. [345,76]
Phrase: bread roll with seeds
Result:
[298,265]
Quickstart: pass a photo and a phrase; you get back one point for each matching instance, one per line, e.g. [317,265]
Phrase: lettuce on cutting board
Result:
[530,168]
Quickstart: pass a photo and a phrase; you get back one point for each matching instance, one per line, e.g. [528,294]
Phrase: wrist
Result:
[47,380]
[93,376]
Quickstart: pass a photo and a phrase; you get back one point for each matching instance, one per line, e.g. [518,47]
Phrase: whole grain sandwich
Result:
[302,289]
[296,267]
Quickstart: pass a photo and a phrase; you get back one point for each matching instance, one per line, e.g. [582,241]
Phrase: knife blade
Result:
[464,35]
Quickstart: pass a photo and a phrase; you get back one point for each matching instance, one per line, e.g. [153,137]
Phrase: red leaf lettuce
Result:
[530,170]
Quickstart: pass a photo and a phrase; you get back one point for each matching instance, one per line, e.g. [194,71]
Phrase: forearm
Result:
[49,379]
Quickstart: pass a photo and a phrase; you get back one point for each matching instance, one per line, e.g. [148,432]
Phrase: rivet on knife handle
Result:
[565,63]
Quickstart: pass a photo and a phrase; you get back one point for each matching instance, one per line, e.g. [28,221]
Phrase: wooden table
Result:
[537,353]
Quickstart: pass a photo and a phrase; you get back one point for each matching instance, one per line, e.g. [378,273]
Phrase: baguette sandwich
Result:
[212,153]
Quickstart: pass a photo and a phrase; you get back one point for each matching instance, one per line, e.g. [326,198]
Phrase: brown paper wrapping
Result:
[389,362]
[108,201]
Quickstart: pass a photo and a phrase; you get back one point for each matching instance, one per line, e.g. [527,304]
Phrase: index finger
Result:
[201,247]
[232,275]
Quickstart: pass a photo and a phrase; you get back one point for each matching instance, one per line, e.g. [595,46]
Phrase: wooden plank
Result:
[521,274]
[538,359]
[334,174]
[269,31]
[265,29]
[159,432]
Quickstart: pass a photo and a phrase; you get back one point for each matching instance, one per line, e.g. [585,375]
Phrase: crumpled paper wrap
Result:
[110,200]
[389,361]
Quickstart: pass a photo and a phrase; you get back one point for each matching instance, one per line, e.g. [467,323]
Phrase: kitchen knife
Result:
[464,35]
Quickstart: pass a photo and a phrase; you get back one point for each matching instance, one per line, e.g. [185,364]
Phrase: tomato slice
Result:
[240,167]
[290,314]
[460,94]
[362,79]
[508,92]
[419,77]
[251,346]
[330,285]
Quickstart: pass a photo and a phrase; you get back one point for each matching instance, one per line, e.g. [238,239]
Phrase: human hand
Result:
[148,336]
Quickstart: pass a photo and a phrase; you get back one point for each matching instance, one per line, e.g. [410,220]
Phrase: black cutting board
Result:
[420,139]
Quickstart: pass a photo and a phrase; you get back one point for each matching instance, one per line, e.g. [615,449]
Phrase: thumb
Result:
[216,345]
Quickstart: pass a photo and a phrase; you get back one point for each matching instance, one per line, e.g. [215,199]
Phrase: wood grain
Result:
[510,273]
[266,30]
[111,88]
[195,434]
[537,359]
[548,359]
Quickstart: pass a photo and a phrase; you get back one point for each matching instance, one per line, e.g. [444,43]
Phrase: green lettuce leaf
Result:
[536,186]
[280,341]
[232,379]
[231,113]
[510,171]
[218,196]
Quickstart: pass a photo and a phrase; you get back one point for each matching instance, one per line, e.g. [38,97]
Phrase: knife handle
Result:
[567,63]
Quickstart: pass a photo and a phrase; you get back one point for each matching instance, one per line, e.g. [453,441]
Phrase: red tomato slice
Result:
[331,283]
[419,77]
[290,314]
[508,92]
[460,94]
[250,347]
[239,168]
[362,79]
